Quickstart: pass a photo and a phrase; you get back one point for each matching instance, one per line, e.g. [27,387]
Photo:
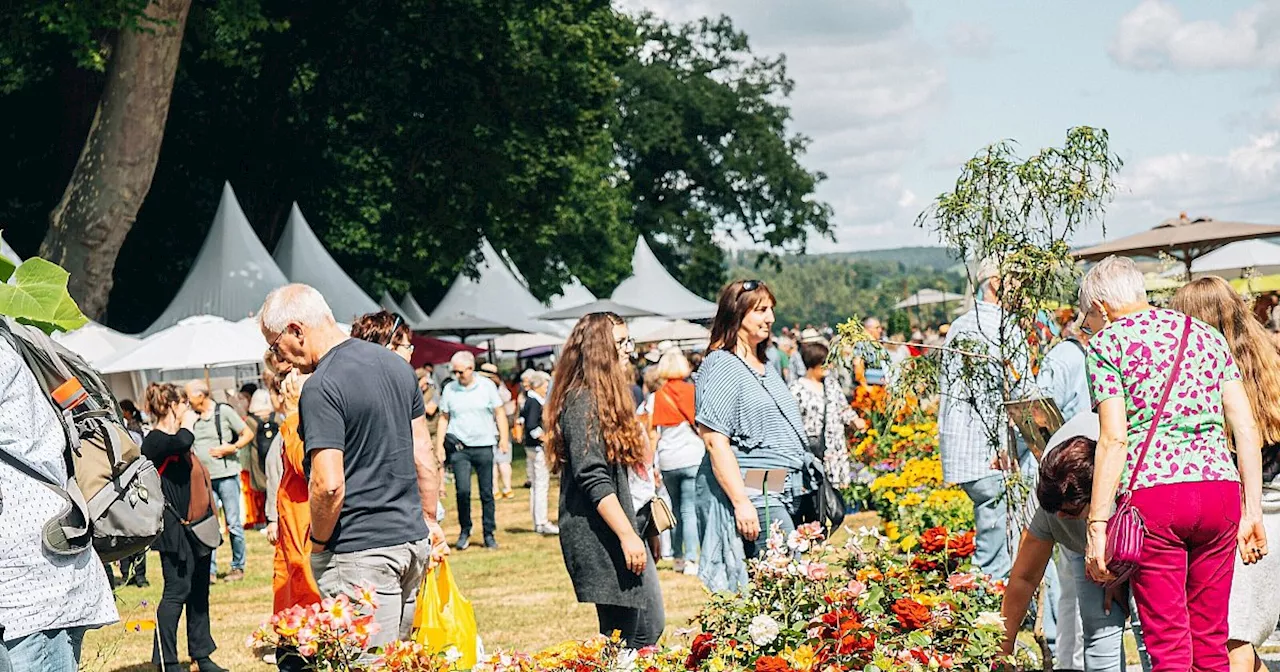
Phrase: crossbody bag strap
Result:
[799,434]
[1164,398]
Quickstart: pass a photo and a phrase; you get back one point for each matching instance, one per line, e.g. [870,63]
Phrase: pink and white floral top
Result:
[1133,358]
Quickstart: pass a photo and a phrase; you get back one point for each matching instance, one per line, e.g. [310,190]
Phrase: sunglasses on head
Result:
[752,285]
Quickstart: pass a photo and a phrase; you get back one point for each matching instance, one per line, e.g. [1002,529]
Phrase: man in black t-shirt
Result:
[374,480]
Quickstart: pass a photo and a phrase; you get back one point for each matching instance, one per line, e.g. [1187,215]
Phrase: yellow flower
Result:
[891,531]
[801,659]
[909,542]
[912,499]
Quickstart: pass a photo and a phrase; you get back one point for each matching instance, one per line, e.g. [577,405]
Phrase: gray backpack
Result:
[114,493]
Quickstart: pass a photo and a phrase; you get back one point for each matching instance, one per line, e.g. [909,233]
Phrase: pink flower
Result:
[962,582]
[855,589]
[815,571]
[307,650]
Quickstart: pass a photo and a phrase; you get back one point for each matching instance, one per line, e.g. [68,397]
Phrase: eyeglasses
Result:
[400,346]
[626,345]
[752,285]
[275,345]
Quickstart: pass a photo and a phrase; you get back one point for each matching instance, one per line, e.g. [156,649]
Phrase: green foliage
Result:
[704,148]
[828,289]
[38,296]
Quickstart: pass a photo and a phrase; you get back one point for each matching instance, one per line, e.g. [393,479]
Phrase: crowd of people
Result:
[698,456]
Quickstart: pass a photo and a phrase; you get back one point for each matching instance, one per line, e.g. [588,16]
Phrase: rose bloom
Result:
[911,614]
[933,540]
[961,546]
[966,581]
[702,647]
[771,664]
[815,571]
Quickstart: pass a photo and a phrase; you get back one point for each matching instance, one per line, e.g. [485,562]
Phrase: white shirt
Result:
[39,591]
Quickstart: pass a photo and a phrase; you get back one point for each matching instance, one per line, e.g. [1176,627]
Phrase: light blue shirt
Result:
[470,411]
[1062,377]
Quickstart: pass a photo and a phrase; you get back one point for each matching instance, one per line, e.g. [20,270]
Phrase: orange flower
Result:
[772,664]
[961,546]
[869,574]
[911,614]
[933,540]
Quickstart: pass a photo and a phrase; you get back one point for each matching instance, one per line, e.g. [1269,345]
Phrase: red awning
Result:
[427,350]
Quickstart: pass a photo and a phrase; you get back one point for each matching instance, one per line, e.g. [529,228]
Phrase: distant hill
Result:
[937,258]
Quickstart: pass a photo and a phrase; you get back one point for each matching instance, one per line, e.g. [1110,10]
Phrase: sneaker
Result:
[490,543]
[464,541]
[690,568]
[549,530]
[235,575]
[269,658]
[678,566]
[207,665]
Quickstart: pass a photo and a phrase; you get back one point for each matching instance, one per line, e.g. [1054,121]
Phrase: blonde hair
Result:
[1212,301]
[673,366]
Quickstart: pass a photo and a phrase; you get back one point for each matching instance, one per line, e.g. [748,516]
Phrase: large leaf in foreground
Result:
[38,296]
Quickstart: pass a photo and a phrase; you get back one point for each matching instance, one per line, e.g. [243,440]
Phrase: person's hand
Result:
[748,520]
[635,553]
[1116,593]
[504,446]
[435,534]
[1095,556]
[273,533]
[859,423]
[1004,462]
[225,450]
[1251,540]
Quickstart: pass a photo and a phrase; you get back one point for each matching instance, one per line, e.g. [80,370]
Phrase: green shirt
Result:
[207,437]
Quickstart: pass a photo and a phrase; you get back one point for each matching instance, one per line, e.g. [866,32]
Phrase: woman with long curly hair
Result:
[1254,610]
[595,441]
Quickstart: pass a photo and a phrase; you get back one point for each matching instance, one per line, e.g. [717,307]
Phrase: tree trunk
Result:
[114,171]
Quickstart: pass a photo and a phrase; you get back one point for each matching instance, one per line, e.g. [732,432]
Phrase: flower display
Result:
[332,634]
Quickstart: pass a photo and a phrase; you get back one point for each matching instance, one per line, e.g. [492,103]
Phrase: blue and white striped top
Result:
[758,414]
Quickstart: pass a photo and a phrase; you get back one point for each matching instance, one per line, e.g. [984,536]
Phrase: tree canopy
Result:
[408,131]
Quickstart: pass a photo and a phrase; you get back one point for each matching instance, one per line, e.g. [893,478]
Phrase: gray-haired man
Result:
[373,475]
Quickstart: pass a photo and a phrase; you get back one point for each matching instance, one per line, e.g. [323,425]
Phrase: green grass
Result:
[521,594]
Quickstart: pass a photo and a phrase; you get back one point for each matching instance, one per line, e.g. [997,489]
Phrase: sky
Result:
[896,95]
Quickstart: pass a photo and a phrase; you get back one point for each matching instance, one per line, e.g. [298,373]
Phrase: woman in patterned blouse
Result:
[826,413]
[1199,505]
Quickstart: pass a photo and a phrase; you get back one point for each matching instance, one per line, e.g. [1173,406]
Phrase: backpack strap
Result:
[217,422]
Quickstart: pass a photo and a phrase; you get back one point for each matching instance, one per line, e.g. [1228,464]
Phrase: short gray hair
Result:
[535,378]
[1114,282]
[294,304]
[463,358]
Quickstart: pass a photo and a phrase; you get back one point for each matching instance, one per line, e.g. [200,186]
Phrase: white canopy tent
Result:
[573,294]
[231,276]
[196,342]
[413,312]
[302,258]
[389,304]
[497,295]
[96,343]
[656,329]
[1233,261]
[928,297]
[651,287]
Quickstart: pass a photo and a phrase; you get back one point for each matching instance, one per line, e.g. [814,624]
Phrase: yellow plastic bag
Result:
[444,618]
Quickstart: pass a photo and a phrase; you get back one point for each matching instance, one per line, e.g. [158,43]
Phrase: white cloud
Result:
[971,40]
[867,86]
[1155,36]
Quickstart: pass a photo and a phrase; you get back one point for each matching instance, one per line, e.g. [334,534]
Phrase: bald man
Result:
[220,434]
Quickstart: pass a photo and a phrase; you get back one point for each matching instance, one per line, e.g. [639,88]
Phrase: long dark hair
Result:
[589,364]
[733,305]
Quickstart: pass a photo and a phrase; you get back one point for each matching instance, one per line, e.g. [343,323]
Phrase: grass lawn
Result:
[521,593]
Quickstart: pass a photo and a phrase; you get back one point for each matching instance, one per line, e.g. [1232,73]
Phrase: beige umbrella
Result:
[1186,239]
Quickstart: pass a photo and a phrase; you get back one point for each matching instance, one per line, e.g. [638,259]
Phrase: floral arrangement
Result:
[331,634]
[871,605]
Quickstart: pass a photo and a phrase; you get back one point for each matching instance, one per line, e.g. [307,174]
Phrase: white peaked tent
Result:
[497,294]
[651,287]
[413,312]
[232,275]
[302,258]
[96,343]
[194,342]
[389,304]
[573,294]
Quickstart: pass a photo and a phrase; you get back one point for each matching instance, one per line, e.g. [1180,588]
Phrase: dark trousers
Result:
[640,627]
[480,460]
[133,569]
[186,584]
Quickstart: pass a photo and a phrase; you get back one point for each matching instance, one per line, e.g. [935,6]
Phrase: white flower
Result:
[763,630]
[452,655]
[990,619]
[626,661]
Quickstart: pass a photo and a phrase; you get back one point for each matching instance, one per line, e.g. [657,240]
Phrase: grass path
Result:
[521,594]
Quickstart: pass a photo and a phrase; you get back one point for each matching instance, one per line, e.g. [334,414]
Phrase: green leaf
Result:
[39,297]
[6,268]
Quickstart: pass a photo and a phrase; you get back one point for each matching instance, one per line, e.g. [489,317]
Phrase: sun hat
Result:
[810,335]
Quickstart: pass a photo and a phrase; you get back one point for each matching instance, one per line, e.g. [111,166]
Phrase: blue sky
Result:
[896,94]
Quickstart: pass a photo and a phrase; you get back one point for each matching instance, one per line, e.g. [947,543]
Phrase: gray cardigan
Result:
[592,552]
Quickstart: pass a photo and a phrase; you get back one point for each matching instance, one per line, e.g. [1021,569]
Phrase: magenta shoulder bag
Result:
[1126,530]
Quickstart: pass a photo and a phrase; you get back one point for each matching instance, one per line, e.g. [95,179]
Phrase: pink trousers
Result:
[1183,583]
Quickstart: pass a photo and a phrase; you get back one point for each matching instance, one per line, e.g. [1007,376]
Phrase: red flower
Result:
[922,565]
[911,614]
[961,545]
[933,540]
[702,647]
[772,664]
